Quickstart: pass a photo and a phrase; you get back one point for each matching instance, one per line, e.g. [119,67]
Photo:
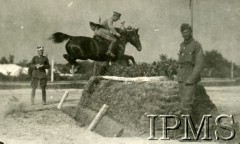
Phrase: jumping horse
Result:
[83,48]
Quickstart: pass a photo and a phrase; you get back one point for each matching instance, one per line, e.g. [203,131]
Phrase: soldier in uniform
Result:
[39,63]
[191,63]
[109,31]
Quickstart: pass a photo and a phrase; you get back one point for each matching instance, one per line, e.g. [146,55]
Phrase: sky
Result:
[26,24]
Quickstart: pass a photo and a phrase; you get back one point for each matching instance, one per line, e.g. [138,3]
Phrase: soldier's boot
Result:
[32,96]
[179,133]
[110,47]
[187,110]
[44,97]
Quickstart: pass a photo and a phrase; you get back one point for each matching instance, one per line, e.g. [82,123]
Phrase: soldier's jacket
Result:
[40,72]
[191,62]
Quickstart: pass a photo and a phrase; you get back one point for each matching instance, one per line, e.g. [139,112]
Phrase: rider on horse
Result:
[108,32]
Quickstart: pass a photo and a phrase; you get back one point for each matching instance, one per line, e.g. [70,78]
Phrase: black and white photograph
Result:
[119,71]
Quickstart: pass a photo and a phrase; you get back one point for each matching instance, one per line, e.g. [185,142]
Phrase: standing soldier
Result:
[109,31]
[191,63]
[39,63]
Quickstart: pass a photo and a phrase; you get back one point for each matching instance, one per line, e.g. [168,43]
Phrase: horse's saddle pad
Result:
[95,26]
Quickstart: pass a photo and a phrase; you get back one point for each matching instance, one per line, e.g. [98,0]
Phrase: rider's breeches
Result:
[106,34]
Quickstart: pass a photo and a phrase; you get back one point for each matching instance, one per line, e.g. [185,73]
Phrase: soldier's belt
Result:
[187,65]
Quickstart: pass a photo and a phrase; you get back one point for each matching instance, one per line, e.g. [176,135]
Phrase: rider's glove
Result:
[118,35]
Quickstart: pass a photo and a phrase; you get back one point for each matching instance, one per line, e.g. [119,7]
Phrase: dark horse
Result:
[81,47]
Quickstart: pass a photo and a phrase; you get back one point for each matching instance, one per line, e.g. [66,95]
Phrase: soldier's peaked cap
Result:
[116,13]
[185,26]
[40,48]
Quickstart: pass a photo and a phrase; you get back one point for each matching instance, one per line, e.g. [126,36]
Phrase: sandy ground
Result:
[23,123]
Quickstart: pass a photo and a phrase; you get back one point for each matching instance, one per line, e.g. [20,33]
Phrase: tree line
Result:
[216,66]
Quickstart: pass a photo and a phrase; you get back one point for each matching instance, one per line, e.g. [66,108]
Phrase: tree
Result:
[163,57]
[23,63]
[216,65]
[11,59]
[3,60]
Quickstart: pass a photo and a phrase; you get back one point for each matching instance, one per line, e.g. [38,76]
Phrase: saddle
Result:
[100,39]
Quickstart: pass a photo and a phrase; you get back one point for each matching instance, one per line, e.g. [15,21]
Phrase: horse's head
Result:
[133,37]
[130,34]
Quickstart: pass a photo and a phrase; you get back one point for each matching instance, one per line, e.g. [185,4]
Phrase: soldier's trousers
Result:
[187,96]
[34,84]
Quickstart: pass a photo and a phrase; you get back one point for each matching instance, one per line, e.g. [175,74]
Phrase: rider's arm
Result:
[110,25]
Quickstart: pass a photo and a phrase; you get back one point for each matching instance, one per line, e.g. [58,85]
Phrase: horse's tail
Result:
[59,37]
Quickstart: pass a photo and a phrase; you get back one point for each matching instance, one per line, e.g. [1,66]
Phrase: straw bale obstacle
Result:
[130,100]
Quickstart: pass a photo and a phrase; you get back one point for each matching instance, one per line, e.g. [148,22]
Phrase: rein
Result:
[127,38]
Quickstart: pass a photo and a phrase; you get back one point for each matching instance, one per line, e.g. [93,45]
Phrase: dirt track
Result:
[46,124]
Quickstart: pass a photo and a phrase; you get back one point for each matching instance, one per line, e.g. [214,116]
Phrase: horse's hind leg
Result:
[72,61]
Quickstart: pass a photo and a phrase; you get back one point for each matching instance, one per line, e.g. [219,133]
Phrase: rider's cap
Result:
[185,26]
[39,48]
[117,14]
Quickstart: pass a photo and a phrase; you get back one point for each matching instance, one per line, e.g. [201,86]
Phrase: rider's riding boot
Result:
[109,51]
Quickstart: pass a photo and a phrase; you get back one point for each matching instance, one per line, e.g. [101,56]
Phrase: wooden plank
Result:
[62,100]
[98,117]
[135,79]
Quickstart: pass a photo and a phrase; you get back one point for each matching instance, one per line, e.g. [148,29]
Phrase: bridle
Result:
[127,36]
[125,29]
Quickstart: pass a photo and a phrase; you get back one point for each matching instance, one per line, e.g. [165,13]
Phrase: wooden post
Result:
[232,74]
[62,100]
[52,71]
[98,117]
[191,7]
[94,68]
[119,134]
[72,69]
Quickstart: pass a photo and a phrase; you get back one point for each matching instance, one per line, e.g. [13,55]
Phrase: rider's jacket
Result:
[108,24]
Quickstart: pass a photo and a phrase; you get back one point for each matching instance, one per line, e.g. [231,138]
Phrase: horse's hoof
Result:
[110,54]
[75,70]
